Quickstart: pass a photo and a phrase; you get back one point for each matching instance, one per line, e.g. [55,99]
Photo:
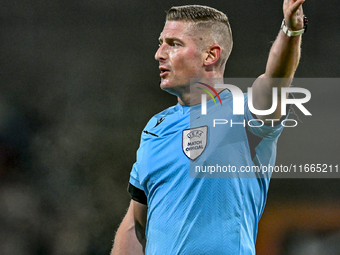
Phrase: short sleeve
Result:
[137,194]
[134,177]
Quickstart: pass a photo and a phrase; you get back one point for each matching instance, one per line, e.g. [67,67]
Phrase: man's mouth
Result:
[164,71]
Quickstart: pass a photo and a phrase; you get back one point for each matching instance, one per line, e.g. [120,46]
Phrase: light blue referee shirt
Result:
[203,215]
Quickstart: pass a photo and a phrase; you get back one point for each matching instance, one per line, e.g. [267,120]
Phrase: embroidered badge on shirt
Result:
[194,141]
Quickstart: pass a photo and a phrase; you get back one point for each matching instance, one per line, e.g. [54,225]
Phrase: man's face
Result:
[179,57]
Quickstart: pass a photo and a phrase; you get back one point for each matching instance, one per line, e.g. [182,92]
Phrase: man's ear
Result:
[213,54]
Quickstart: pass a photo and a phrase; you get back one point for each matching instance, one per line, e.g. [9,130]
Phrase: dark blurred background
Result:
[78,84]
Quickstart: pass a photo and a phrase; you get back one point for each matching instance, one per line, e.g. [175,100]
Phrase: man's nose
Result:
[162,52]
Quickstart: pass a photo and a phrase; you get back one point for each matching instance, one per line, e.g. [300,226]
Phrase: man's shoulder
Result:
[168,111]
[159,117]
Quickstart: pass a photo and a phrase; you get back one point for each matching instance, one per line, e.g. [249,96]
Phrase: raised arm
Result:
[282,62]
[130,238]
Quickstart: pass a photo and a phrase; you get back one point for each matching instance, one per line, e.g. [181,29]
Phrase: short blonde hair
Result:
[206,20]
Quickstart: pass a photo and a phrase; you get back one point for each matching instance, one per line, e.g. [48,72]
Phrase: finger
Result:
[294,7]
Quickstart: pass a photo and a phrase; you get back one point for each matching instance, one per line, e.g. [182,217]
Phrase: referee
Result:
[171,212]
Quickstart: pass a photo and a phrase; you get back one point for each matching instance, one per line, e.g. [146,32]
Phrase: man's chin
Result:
[165,85]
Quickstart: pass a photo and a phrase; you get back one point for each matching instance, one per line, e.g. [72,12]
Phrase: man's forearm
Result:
[126,241]
[284,56]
